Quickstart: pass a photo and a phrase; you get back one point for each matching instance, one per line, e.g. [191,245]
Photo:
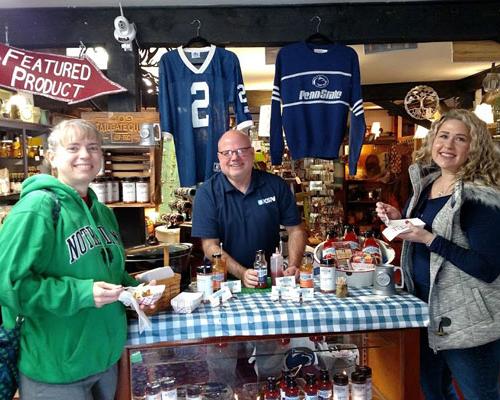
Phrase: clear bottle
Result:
[358,386]
[271,392]
[168,389]
[218,271]
[276,266]
[324,386]
[340,387]
[310,389]
[306,272]
[367,371]
[193,392]
[260,265]
[99,188]
[327,276]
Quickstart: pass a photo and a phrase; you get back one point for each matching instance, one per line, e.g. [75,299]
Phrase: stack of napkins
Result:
[397,226]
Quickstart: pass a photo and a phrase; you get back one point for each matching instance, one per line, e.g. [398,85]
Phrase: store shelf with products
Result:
[21,154]
[211,347]
[135,169]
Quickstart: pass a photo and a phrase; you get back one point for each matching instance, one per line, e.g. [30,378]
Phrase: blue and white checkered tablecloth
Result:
[256,314]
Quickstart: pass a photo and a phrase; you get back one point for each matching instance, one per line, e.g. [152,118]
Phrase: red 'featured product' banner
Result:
[63,78]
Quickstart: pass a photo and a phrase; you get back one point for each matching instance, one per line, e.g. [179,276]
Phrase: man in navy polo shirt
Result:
[244,208]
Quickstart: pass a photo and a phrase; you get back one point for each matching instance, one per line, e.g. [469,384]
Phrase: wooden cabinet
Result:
[127,162]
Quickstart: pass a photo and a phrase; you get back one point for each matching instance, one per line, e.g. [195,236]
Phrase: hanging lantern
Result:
[491,82]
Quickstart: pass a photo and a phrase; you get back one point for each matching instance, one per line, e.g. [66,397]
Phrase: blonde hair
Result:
[483,160]
[66,130]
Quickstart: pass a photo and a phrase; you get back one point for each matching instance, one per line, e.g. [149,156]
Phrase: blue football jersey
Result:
[194,100]
[315,89]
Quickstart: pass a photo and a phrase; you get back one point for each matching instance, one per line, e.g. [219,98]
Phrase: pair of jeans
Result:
[476,371]
[100,386]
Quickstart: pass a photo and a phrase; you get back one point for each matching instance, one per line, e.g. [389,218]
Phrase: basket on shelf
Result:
[172,289]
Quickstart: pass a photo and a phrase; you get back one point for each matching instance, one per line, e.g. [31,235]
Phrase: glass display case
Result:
[237,368]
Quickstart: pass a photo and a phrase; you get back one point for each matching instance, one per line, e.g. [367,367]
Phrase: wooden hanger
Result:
[197,41]
[317,37]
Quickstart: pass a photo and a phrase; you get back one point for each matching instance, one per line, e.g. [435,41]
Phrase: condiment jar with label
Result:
[128,190]
[142,190]
[358,386]
[204,281]
[168,389]
[99,188]
[340,387]
[153,391]
[367,372]
[306,272]
[327,276]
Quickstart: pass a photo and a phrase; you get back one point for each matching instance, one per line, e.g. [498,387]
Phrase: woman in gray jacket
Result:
[453,262]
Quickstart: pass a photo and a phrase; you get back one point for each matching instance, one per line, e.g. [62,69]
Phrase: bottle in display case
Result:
[168,389]
[367,371]
[340,387]
[324,386]
[153,391]
[291,390]
[271,392]
[310,389]
[260,265]
[358,386]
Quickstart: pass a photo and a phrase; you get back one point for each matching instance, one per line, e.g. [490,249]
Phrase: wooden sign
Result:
[63,78]
[121,127]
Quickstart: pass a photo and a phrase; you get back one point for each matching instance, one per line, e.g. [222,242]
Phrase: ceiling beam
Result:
[264,25]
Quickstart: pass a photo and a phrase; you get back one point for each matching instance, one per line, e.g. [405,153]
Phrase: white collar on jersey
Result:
[190,65]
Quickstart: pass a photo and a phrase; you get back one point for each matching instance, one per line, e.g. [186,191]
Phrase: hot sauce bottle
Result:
[370,246]
[291,390]
[306,272]
[325,386]
[282,385]
[272,392]
[218,271]
[350,235]
[310,389]
[260,265]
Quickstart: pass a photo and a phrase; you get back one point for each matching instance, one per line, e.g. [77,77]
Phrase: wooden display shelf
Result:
[122,204]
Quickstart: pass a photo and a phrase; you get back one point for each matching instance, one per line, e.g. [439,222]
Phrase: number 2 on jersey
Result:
[200,104]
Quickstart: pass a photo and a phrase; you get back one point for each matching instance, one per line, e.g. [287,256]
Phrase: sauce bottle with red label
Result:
[272,392]
[291,390]
[325,387]
[370,246]
[310,389]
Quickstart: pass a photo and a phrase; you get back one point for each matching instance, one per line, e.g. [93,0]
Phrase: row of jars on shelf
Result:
[14,149]
[109,189]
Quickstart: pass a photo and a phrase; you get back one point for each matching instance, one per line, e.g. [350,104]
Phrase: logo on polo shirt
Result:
[267,200]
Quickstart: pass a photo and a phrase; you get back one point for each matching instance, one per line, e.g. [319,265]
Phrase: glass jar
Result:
[99,188]
[327,276]
[142,190]
[204,281]
[340,387]
[128,190]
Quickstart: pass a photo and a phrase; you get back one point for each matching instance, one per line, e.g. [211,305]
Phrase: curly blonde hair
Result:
[483,161]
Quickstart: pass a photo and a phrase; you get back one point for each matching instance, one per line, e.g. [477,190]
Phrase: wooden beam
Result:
[481,50]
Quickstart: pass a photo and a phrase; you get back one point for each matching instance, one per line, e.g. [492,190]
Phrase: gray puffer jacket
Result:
[464,311]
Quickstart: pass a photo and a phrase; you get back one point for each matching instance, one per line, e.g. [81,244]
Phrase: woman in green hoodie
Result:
[62,265]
